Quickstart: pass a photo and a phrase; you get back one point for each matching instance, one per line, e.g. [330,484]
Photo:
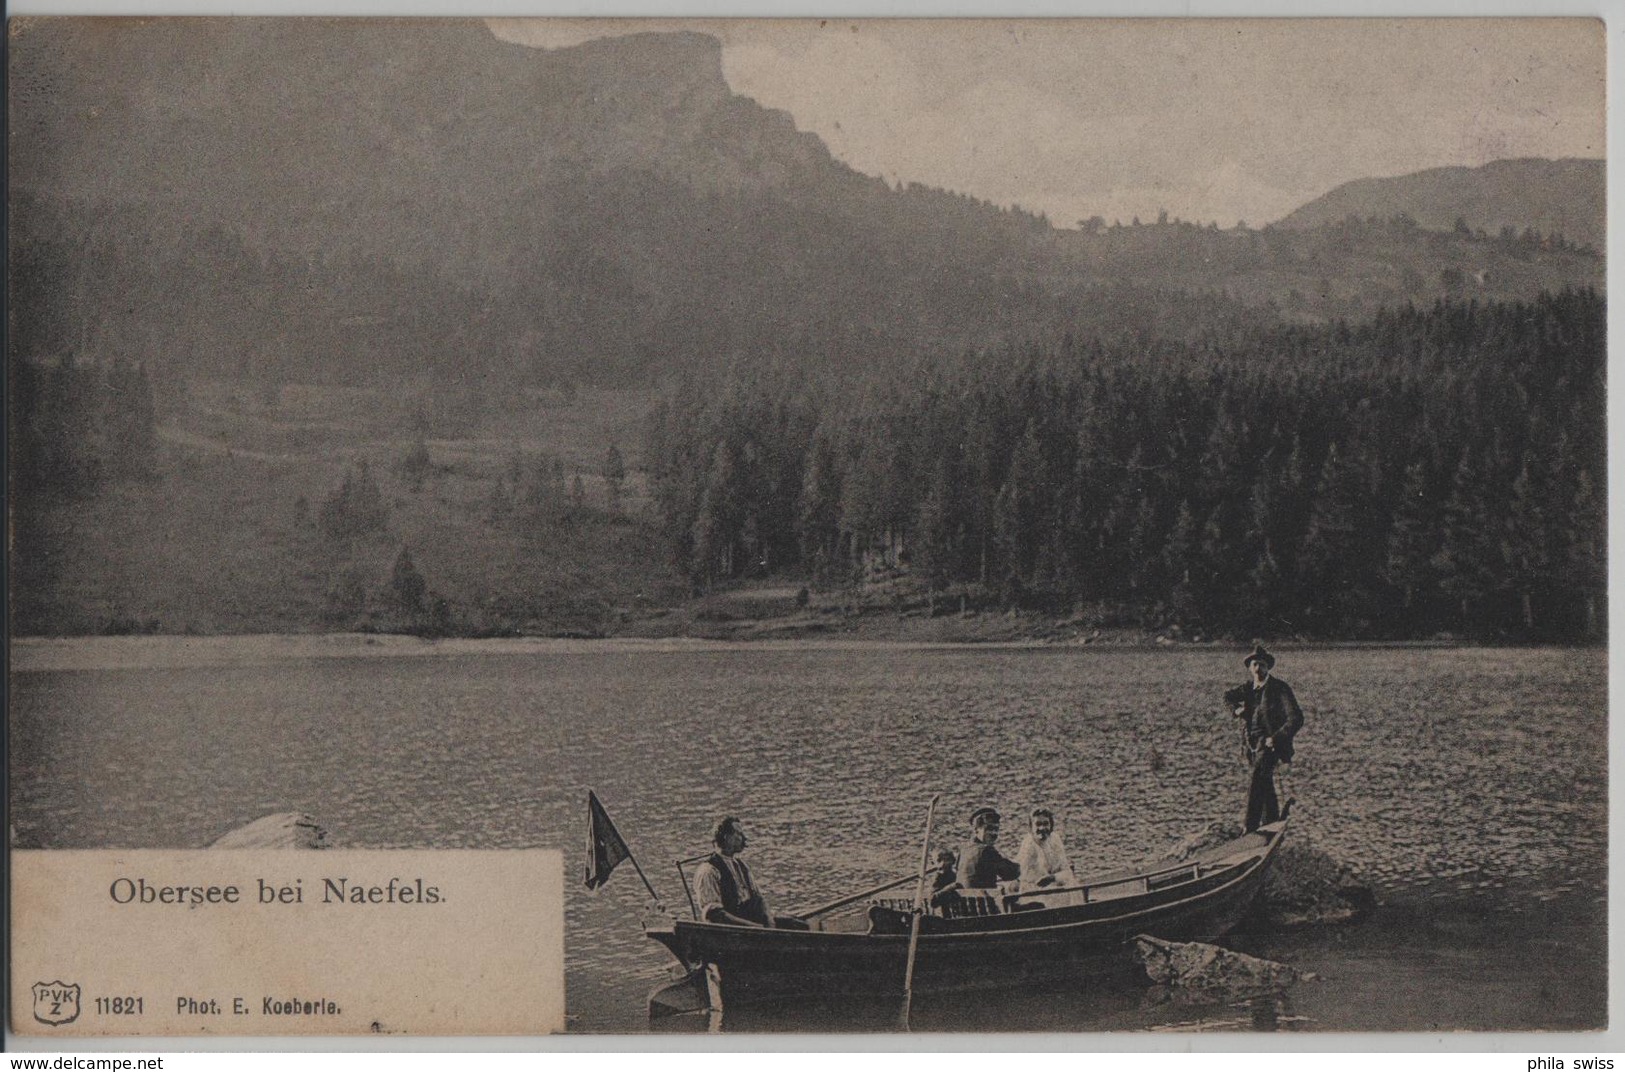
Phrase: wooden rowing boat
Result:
[858,946]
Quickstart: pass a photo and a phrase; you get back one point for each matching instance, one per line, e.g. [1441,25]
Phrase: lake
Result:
[1468,786]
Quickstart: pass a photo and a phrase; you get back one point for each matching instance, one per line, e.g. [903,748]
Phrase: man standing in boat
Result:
[725,889]
[1271,717]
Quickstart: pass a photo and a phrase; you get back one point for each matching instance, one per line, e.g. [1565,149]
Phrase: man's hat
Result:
[1258,654]
[983,815]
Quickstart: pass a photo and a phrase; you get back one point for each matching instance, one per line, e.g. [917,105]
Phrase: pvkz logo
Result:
[56,1003]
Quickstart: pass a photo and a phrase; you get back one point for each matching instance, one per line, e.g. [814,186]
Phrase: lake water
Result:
[1467,785]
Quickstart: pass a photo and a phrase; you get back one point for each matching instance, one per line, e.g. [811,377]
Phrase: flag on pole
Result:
[605,846]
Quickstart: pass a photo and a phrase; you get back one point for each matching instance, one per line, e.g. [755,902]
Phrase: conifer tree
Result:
[415,464]
[1584,549]
[1179,558]
[614,477]
[818,508]
[717,520]
[1260,593]
[1328,561]
[1526,556]
[1465,552]
[356,507]
[406,585]
[1411,544]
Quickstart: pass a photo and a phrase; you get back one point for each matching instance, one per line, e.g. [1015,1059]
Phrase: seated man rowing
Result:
[983,867]
[724,887]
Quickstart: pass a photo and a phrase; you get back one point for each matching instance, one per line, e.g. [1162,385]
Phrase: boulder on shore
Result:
[284,830]
[1307,886]
[1304,885]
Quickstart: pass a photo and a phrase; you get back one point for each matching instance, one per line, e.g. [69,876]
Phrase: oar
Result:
[823,909]
[919,911]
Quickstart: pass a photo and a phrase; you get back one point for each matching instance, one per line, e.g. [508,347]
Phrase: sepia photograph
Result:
[952,526]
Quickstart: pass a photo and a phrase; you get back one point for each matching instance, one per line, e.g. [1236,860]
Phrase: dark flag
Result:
[605,846]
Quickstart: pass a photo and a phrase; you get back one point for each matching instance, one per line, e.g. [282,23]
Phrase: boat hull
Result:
[1022,949]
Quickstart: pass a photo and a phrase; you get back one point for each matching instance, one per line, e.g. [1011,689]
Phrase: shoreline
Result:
[162,651]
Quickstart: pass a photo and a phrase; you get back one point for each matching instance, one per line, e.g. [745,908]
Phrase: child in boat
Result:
[946,882]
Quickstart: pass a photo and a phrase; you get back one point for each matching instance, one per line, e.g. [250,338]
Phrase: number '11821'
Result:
[119,1006]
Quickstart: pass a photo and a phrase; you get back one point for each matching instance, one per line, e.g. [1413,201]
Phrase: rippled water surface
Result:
[1459,773]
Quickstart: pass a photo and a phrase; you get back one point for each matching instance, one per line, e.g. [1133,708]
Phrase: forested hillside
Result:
[353,350]
[1427,471]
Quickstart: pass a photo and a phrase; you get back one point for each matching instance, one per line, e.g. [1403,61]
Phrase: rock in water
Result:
[284,830]
[1208,968]
[1304,884]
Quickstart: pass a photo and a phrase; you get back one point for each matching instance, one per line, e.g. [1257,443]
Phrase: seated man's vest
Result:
[753,907]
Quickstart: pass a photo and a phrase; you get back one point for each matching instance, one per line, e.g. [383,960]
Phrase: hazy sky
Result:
[1208,119]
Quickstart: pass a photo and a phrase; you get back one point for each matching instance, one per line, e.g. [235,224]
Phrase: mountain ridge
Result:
[1563,197]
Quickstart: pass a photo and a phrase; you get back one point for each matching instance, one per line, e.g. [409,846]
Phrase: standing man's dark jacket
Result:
[1270,711]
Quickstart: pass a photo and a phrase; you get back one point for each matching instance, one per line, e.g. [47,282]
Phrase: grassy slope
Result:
[216,544]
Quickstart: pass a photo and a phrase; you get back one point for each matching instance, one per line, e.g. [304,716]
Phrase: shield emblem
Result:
[56,1003]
